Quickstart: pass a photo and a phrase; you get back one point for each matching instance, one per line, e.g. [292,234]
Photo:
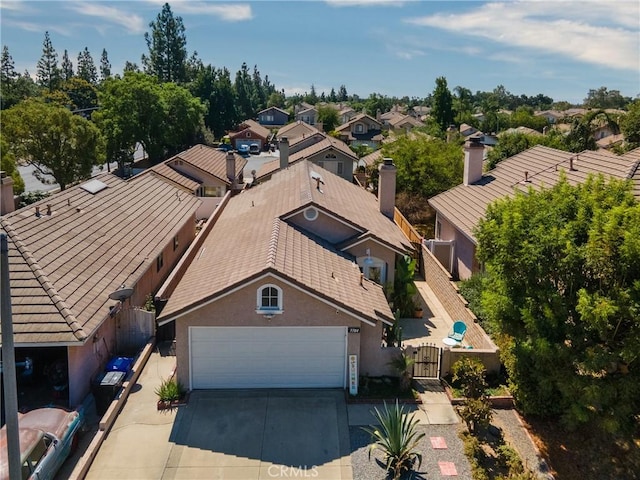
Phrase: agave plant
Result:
[397,436]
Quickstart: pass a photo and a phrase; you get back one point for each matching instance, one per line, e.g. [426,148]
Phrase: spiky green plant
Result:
[397,436]
[169,390]
[403,365]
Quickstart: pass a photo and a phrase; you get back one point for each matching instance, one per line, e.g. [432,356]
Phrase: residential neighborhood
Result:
[209,275]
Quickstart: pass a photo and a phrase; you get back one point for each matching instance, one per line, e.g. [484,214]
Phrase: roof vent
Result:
[93,186]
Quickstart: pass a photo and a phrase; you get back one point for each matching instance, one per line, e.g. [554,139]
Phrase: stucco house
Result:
[459,209]
[308,115]
[320,149]
[273,117]
[205,172]
[287,285]
[249,132]
[361,130]
[295,130]
[69,252]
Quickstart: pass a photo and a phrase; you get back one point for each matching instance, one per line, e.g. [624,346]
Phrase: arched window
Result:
[269,299]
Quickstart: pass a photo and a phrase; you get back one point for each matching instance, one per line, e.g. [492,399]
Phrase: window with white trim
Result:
[374,269]
[269,299]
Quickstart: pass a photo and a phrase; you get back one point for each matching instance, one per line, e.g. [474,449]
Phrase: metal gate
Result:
[427,361]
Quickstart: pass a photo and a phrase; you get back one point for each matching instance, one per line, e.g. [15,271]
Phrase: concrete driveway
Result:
[240,434]
[258,434]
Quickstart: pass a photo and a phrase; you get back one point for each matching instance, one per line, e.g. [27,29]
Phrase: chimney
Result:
[473,152]
[37,211]
[378,114]
[231,169]
[7,200]
[387,187]
[49,209]
[284,153]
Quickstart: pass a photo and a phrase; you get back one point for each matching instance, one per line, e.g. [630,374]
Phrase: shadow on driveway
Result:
[306,429]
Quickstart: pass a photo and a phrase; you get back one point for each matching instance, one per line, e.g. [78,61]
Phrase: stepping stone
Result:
[438,442]
[448,469]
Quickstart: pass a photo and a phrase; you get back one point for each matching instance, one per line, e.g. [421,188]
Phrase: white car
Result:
[47,437]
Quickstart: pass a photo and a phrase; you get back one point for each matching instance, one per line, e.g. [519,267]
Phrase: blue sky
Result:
[558,48]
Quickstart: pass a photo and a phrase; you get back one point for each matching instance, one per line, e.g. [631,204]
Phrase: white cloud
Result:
[17,7]
[131,22]
[228,12]
[365,3]
[35,27]
[589,32]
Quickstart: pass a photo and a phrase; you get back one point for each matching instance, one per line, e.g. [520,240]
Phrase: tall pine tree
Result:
[66,72]
[86,67]
[167,43]
[105,66]
[441,108]
[8,76]
[48,73]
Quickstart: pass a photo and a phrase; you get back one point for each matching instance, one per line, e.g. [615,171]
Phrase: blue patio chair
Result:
[458,330]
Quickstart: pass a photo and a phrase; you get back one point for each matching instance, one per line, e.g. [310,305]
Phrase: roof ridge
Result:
[44,281]
[273,243]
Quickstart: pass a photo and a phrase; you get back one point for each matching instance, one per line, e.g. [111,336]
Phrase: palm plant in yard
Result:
[397,436]
[403,365]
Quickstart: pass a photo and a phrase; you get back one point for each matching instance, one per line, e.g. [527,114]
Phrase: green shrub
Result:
[169,390]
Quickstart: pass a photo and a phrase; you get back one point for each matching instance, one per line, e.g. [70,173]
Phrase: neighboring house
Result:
[523,130]
[361,130]
[204,172]
[459,209]
[404,123]
[371,159]
[386,118]
[420,112]
[467,130]
[273,117]
[69,252]
[249,132]
[345,114]
[295,130]
[551,116]
[322,150]
[285,303]
[309,115]
[610,141]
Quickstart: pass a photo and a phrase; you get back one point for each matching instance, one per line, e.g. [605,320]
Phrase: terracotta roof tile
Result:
[63,266]
[463,206]
[252,237]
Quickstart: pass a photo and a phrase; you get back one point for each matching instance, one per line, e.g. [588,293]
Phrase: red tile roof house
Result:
[322,150]
[284,302]
[204,172]
[249,132]
[459,209]
[69,252]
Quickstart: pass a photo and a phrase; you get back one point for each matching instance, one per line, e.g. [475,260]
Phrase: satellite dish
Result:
[122,293]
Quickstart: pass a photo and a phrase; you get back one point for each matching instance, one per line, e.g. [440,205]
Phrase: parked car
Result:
[47,437]
[254,149]
[243,149]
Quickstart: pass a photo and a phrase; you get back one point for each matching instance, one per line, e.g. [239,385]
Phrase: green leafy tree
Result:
[138,109]
[9,165]
[581,136]
[562,286]
[48,73]
[53,140]
[80,93]
[343,96]
[510,144]
[630,126]
[442,104]
[604,98]
[524,117]
[87,68]
[397,436]
[244,92]
[425,167]
[8,78]
[105,66]
[329,117]
[167,44]
[276,99]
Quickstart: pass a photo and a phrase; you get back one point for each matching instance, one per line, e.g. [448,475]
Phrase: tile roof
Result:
[252,238]
[274,108]
[296,129]
[254,127]
[357,118]
[64,265]
[210,160]
[167,173]
[372,158]
[327,144]
[463,206]
[634,170]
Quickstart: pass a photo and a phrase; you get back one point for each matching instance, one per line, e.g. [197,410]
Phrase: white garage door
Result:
[267,357]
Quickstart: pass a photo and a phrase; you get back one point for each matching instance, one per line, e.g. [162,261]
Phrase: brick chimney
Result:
[387,187]
[473,153]
[284,153]
[231,169]
[7,200]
